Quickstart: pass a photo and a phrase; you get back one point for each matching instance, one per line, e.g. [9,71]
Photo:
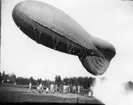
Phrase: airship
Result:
[53,28]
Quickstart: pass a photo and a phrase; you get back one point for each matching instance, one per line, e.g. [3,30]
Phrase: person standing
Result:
[47,90]
[52,88]
[41,87]
[30,86]
[74,89]
[90,93]
[78,89]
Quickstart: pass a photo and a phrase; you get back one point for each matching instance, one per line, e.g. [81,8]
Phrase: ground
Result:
[19,93]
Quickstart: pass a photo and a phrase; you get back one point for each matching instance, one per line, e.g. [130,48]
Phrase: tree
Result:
[80,81]
[12,78]
[75,81]
[23,81]
[86,82]
[66,81]
[4,76]
[91,81]
[39,81]
[58,80]
[31,79]
[3,73]
[45,82]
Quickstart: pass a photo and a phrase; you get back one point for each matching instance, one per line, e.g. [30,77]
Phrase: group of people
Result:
[40,88]
[62,89]
[70,89]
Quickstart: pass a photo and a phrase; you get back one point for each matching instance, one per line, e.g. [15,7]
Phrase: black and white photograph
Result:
[66,52]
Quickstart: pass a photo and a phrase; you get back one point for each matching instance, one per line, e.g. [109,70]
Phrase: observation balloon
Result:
[53,28]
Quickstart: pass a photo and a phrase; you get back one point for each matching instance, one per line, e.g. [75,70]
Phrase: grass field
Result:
[20,93]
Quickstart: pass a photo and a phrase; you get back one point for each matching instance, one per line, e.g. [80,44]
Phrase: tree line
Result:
[85,82]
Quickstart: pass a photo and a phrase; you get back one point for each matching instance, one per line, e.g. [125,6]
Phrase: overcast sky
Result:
[111,20]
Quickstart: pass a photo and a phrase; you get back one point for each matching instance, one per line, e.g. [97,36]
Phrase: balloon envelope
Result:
[53,28]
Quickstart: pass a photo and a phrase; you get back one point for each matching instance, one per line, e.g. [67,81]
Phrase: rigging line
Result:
[31,21]
[34,29]
[83,53]
[68,45]
[54,42]
[80,51]
[40,33]
[54,36]
[71,45]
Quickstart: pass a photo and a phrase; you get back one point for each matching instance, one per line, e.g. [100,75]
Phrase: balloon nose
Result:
[25,24]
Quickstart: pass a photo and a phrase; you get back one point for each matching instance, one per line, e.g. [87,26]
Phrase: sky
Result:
[111,20]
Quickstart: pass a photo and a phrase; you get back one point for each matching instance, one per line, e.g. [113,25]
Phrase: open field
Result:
[20,93]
